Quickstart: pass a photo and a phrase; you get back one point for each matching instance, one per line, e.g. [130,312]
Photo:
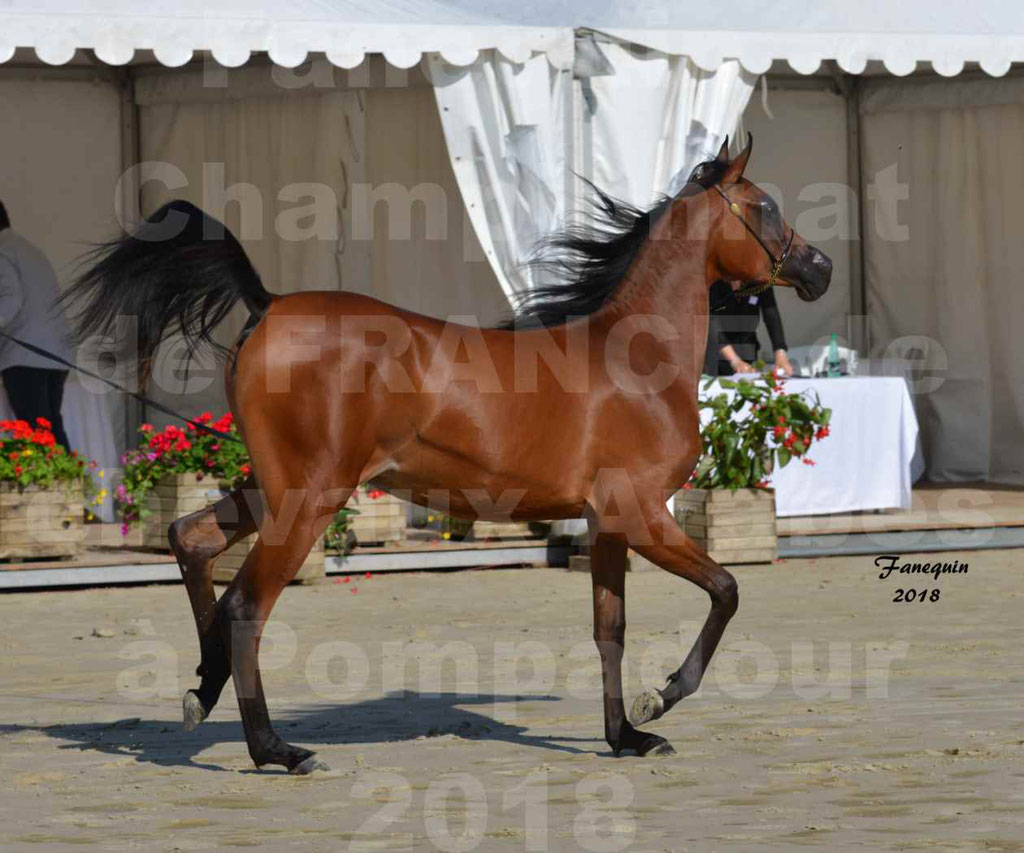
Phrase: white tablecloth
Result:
[870,458]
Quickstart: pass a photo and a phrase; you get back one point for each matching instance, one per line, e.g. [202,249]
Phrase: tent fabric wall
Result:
[60,147]
[944,264]
[276,167]
[799,158]
[655,117]
[429,261]
[61,152]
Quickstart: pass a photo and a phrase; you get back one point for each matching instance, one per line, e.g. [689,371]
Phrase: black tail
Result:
[181,270]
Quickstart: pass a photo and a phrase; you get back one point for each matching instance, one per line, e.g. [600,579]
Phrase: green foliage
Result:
[753,429]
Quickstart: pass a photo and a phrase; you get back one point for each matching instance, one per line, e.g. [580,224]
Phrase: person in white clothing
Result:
[28,292]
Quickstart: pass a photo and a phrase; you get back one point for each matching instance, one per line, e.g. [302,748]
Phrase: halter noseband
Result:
[777,263]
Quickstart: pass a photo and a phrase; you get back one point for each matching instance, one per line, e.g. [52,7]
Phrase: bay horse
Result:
[586,406]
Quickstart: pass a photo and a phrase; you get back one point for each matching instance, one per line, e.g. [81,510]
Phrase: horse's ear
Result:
[723,152]
[734,171]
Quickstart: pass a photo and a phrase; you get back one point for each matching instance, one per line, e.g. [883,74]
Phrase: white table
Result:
[870,458]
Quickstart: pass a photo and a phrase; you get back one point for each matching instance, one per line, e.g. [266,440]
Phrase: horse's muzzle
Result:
[810,273]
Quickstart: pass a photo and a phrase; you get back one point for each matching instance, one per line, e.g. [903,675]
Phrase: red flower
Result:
[44,423]
[146,428]
[17,470]
[807,461]
[43,437]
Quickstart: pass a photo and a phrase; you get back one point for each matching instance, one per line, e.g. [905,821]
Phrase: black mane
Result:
[587,262]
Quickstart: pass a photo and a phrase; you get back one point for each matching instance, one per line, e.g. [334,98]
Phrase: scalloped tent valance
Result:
[232,30]
[756,32]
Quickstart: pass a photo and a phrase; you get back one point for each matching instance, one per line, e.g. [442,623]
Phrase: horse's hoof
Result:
[192,710]
[648,706]
[307,766]
[660,747]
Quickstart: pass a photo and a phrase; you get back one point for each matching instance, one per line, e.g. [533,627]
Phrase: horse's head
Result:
[750,241]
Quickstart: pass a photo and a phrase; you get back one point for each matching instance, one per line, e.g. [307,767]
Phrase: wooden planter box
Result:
[37,522]
[733,527]
[174,496]
[380,521]
[181,494]
[228,563]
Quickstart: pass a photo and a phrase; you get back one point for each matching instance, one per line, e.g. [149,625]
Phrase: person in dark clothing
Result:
[28,289]
[732,331]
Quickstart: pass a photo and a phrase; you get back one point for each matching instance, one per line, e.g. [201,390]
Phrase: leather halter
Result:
[773,278]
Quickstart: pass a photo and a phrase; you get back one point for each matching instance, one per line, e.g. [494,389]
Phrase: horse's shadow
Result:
[399,716]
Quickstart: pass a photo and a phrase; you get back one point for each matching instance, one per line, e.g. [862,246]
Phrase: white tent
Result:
[526,95]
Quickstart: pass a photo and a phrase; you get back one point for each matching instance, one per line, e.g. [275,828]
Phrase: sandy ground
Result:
[832,717]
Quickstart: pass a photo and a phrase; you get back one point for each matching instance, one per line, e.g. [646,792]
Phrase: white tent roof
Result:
[345,30]
[948,34]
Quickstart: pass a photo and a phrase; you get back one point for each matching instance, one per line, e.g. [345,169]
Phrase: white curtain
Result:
[505,124]
[510,136]
[944,263]
[656,117]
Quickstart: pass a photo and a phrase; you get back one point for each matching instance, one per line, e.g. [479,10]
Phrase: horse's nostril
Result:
[821,261]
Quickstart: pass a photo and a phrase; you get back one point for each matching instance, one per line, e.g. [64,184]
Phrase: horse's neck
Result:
[669,279]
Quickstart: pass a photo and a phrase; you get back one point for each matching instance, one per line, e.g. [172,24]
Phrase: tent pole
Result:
[131,208]
[855,170]
[857,326]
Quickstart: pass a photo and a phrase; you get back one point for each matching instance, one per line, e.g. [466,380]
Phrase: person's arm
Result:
[773,322]
[11,296]
[738,364]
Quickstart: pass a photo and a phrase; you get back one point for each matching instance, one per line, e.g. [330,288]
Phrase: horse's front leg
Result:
[608,573]
[677,553]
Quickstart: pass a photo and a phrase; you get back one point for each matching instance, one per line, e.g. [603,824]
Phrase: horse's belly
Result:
[480,486]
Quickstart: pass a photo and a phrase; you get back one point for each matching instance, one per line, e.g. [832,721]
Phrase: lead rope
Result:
[142,398]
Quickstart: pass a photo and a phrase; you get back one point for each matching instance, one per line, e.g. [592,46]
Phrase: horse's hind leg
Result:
[608,573]
[196,541]
[677,553]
